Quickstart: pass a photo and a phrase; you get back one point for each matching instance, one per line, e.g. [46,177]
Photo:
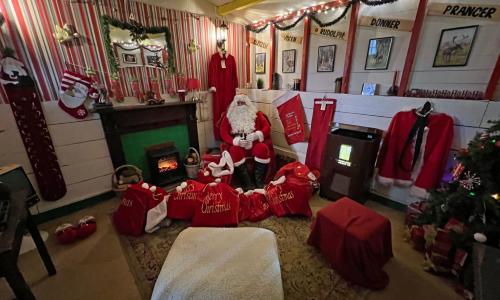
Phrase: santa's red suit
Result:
[246,132]
[223,80]
[396,161]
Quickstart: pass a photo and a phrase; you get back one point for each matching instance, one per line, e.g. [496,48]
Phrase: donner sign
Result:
[463,10]
[394,24]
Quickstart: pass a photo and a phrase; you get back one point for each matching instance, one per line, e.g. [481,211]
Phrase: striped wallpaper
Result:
[30,23]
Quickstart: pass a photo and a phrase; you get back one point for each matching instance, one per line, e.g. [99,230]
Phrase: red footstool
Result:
[355,240]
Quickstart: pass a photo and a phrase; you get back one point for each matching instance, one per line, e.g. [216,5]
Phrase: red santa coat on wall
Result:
[246,131]
[223,76]
[395,162]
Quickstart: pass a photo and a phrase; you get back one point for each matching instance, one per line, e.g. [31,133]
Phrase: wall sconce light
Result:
[222,35]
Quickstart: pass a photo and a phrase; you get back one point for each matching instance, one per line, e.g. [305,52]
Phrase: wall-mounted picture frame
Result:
[326,58]
[260,63]
[379,53]
[288,61]
[369,89]
[129,58]
[454,47]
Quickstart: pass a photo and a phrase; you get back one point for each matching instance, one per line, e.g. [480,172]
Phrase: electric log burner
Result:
[165,165]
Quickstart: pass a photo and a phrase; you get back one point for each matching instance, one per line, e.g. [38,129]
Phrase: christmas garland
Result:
[138,47]
[334,21]
[315,19]
[113,64]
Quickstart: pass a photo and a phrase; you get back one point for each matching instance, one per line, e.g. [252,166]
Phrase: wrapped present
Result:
[417,234]
[439,253]
[413,211]
[459,261]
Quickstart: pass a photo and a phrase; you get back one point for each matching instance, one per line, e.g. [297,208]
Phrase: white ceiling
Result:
[257,12]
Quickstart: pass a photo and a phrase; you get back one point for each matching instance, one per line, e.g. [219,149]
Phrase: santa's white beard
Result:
[242,118]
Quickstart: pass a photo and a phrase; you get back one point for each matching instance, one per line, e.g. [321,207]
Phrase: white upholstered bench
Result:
[221,263]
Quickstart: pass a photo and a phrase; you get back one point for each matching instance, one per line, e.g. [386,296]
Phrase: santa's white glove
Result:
[252,137]
[243,143]
[212,89]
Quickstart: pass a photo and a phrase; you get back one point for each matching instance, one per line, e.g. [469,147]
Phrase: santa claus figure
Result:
[246,132]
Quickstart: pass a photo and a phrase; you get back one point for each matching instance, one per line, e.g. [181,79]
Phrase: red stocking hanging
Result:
[291,114]
[74,92]
[27,110]
[323,112]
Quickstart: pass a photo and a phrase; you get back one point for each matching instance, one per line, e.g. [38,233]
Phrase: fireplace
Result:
[164,163]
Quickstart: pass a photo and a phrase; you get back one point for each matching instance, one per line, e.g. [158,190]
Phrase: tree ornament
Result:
[464,152]
[484,136]
[497,144]
[470,181]
[457,171]
[480,237]
[496,196]
[193,46]
[444,207]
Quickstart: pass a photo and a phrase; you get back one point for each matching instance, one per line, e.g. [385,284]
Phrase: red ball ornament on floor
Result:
[66,233]
[86,227]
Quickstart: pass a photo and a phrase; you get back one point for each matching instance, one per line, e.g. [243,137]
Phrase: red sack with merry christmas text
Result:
[289,196]
[218,206]
[182,202]
[254,206]
[142,208]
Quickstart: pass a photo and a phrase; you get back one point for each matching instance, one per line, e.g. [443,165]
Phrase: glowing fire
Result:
[167,164]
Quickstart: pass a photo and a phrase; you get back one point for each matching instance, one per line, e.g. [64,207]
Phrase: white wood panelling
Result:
[80,147]
[377,111]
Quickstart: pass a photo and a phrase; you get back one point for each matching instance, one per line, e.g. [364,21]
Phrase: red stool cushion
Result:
[355,240]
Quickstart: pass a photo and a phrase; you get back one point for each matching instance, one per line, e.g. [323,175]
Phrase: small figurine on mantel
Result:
[99,95]
[151,100]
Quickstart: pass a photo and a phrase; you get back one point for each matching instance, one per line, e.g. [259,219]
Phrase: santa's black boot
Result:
[260,172]
[241,172]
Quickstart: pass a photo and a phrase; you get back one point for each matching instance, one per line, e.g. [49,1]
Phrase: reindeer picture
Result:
[379,52]
[454,47]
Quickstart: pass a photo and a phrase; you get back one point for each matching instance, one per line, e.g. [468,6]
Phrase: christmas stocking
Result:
[74,91]
[291,115]
[323,112]
[27,110]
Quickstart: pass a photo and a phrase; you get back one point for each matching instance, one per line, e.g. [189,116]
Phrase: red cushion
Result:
[355,240]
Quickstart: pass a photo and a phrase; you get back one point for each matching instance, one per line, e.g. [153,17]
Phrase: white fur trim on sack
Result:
[280,180]
[217,169]
[155,216]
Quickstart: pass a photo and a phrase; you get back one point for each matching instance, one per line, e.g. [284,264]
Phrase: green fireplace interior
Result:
[134,144]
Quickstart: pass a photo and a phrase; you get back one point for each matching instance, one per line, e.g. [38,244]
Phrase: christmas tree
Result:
[471,198]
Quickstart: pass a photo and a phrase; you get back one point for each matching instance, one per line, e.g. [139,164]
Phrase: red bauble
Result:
[497,144]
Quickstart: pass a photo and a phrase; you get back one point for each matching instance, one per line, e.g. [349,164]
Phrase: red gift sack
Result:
[218,206]
[300,172]
[289,196]
[142,207]
[182,202]
[216,168]
[253,205]
[244,207]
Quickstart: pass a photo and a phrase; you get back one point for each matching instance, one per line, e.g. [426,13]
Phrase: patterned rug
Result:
[305,273]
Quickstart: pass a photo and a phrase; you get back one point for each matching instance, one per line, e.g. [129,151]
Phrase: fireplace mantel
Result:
[119,120]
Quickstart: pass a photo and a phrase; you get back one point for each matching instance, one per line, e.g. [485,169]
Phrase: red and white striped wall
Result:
[30,24]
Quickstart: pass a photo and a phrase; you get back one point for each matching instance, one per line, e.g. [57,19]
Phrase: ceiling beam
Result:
[236,5]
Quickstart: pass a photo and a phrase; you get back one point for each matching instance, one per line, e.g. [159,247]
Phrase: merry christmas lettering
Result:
[215,208]
[127,202]
[335,34]
[279,197]
[187,194]
[463,10]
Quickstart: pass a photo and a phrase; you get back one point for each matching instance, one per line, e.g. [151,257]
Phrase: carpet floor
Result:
[305,273]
